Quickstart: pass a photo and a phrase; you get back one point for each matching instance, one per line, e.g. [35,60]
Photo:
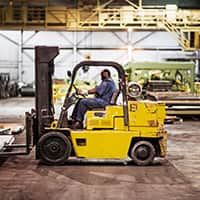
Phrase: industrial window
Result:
[36,13]
[17,13]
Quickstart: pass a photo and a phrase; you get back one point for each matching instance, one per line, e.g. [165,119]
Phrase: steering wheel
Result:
[76,91]
[73,98]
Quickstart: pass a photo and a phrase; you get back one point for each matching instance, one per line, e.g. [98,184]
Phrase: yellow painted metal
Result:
[146,114]
[197,88]
[113,143]
[197,40]
[119,124]
[54,124]
[59,91]
[180,22]
[105,119]
[106,136]
[102,143]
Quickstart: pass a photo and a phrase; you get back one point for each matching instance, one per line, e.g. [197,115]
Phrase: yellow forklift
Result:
[134,129]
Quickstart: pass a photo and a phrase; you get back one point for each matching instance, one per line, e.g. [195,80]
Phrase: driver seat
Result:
[113,100]
[114,97]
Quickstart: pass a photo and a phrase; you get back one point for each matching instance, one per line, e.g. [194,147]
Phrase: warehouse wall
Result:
[17,49]
[9,52]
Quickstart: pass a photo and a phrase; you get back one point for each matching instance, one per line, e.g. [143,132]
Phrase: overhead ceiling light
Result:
[10,3]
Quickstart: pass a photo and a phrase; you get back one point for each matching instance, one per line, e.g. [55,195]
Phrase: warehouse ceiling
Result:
[180,17]
[192,4]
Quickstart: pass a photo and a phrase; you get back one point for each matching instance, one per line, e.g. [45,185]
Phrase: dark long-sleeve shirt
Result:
[105,90]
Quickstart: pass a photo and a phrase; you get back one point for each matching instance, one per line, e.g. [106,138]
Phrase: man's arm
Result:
[92,91]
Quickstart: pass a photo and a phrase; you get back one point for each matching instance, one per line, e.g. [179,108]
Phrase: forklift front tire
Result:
[54,148]
[142,153]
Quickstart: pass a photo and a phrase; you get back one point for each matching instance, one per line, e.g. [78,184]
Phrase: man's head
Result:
[105,74]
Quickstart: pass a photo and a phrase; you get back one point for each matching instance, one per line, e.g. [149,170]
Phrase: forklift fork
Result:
[11,149]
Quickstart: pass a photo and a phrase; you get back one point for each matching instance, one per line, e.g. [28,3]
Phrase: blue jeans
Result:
[83,105]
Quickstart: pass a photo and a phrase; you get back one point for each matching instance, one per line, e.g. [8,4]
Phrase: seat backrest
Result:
[114,97]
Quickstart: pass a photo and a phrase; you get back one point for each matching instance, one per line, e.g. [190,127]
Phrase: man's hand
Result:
[82,92]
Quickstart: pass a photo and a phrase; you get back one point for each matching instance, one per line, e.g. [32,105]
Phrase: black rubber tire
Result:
[142,153]
[54,148]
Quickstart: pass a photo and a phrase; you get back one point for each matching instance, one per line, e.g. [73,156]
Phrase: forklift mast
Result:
[44,69]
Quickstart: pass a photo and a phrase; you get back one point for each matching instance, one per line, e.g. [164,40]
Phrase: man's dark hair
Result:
[106,70]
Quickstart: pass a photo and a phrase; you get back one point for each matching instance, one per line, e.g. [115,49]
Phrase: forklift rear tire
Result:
[142,153]
[54,148]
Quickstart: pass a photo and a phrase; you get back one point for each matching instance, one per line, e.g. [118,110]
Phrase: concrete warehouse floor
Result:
[176,177]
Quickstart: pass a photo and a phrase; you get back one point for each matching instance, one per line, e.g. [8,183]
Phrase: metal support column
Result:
[140,3]
[20,57]
[129,42]
[74,47]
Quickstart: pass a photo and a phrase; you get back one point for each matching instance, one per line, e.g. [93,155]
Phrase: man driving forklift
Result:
[103,94]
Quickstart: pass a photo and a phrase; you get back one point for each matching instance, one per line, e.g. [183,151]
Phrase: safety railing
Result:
[177,21]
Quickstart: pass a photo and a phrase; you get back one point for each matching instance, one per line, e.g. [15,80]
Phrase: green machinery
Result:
[173,83]
[180,74]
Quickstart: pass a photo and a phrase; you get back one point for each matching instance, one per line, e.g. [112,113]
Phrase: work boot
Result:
[77,125]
